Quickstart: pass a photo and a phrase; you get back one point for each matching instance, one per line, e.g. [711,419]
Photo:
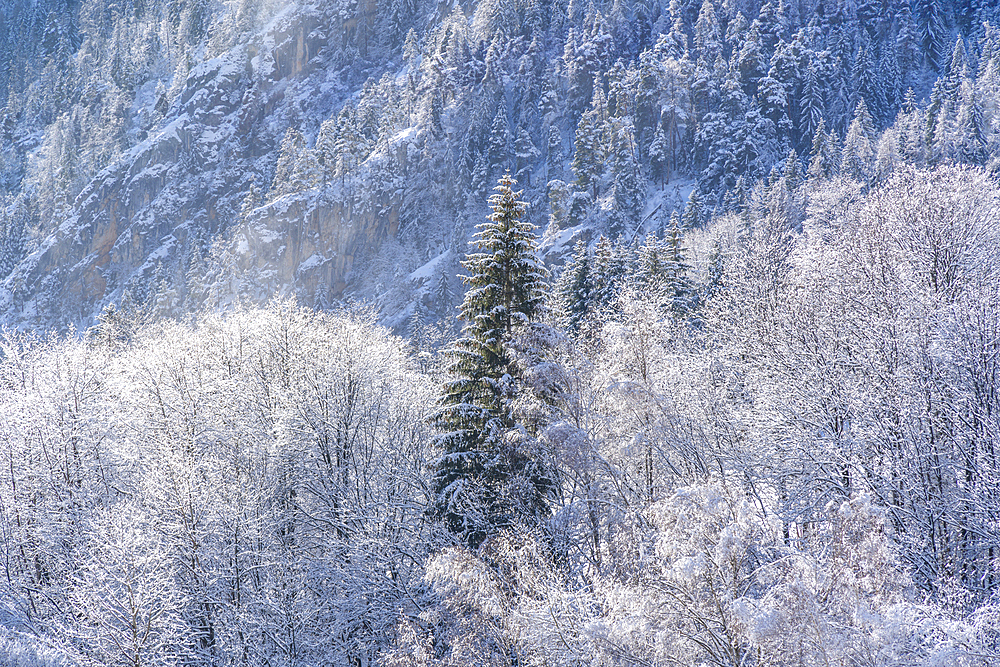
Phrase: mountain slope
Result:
[172,154]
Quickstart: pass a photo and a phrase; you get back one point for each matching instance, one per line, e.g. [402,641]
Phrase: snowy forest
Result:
[561,333]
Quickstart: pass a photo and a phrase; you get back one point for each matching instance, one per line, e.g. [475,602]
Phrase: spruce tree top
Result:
[506,277]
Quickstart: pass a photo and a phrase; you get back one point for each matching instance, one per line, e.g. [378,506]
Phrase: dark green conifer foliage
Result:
[693,212]
[821,162]
[486,479]
[677,287]
[610,270]
[575,288]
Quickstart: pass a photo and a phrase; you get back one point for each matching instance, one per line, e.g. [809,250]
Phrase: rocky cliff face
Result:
[180,189]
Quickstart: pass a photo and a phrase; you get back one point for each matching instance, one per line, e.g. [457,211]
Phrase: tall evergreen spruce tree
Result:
[486,478]
[574,288]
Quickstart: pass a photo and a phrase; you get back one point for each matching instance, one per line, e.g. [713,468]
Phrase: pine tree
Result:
[810,104]
[869,86]
[649,271]
[792,175]
[589,144]
[629,183]
[610,269]
[891,83]
[938,105]
[958,69]
[693,213]
[575,288]
[858,154]
[907,42]
[415,327]
[676,287]
[911,133]
[326,151]
[752,60]
[351,145]
[932,31]
[821,163]
[676,39]
[707,40]
[971,127]
[526,154]
[500,143]
[945,147]
[658,156]
[442,294]
[485,480]
[287,170]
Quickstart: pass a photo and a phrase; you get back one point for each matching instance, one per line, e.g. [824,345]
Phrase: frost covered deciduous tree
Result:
[125,596]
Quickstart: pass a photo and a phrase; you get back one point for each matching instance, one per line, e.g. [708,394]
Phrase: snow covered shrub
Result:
[17,650]
[722,585]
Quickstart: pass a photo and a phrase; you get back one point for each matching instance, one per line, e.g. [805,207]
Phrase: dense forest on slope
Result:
[795,464]
[172,154]
[733,400]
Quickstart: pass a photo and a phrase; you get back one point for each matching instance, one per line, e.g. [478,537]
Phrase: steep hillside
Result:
[168,154]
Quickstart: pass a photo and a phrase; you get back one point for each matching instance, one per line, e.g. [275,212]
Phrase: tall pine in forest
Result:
[486,478]
[574,289]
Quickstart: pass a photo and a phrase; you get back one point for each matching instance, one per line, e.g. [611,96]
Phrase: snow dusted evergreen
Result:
[478,479]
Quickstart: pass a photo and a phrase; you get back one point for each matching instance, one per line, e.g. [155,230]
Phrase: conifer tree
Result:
[811,104]
[554,154]
[693,213]
[932,31]
[590,150]
[858,153]
[707,40]
[870,88]
[442,293]
[500,143]
[972,134]
[792,176]
[416,327]
[820,161]
[629,183]
[526,153]
[485,479]
[677,288]
[650,272]
[286,171]
[575,288]
[609,269]
[658,156]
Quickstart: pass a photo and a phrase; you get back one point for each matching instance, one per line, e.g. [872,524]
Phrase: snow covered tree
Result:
[287,171]
[526,154]
[823,162]
[610,271]
[659,156]
[590,145]
[972,134]
[810,104]
[500,144]
[487,477]
[858,153]
[442,294]
[694,214]
[707,40]
[629,184]
[930,22]
[574,289]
